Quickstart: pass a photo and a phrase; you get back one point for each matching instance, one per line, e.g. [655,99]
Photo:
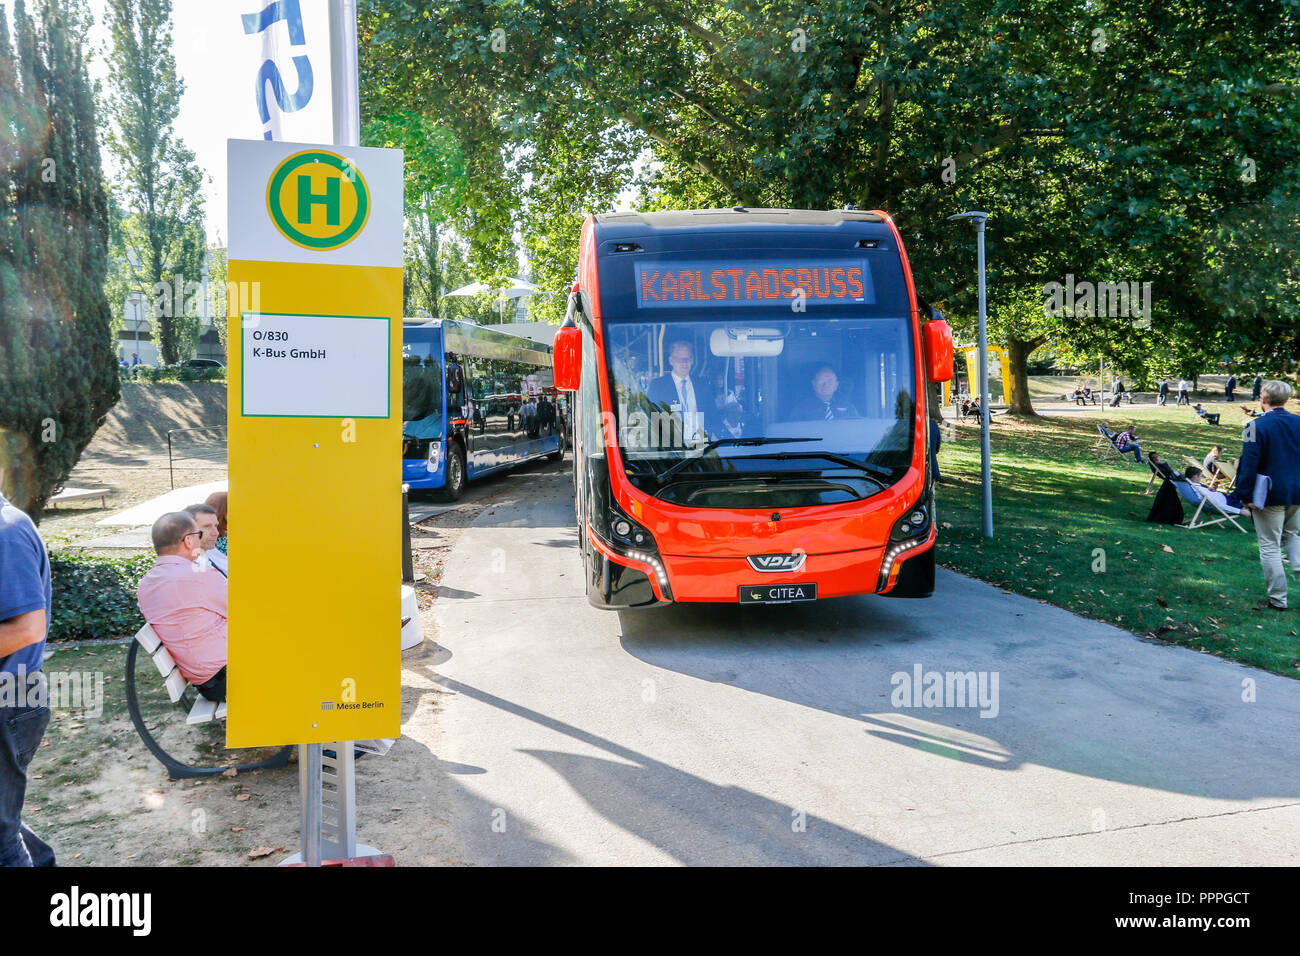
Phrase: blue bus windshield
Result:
[422,389]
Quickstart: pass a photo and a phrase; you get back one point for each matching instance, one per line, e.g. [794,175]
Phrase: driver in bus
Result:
[822,403]
[678,392]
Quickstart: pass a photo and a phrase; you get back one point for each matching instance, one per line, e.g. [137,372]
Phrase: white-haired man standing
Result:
[1271,446]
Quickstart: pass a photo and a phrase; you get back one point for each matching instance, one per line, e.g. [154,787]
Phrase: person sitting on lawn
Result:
[1250,411]
[1127,441]
[185,604]
[1211,417]
[1193,474]
[1161,466]
[1210,463]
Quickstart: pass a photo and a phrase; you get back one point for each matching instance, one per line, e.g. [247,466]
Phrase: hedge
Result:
[172,373]
[95,597]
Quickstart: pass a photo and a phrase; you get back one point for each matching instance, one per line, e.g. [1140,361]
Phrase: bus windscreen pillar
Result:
[314,353]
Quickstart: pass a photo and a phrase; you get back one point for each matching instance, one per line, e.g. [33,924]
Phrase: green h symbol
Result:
[329,199]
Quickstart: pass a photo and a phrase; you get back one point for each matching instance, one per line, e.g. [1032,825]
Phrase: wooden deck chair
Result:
[1227,473]
[1107,437]
[1192,495]
[1157,475]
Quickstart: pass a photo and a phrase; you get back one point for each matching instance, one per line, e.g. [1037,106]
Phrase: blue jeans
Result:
[1136,449]
[21,730]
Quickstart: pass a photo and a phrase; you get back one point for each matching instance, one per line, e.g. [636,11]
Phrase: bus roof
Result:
[701,264]
[470,338]
[628,225]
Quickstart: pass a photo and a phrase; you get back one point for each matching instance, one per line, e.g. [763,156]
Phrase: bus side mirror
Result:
[936,335]
[568,358]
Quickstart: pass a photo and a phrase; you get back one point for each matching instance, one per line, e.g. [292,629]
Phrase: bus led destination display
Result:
[727,282]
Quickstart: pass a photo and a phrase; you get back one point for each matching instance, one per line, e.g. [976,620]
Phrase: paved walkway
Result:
[728,735]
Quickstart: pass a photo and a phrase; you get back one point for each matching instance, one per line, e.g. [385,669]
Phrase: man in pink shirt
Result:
[185,603]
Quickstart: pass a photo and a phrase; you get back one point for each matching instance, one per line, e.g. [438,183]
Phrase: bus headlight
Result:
[909,532]
[626,533]
[914,524]
[435,453]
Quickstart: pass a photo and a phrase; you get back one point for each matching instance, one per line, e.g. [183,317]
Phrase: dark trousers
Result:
[21,730]
[214,688]
[935,440]
[1183,399]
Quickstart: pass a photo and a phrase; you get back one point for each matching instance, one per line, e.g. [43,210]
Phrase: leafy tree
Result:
[58,377]
[1106,139]
[159,183]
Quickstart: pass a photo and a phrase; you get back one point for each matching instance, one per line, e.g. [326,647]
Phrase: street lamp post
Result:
[979,218]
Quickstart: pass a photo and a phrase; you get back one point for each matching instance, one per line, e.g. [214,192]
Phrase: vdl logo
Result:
[318,200]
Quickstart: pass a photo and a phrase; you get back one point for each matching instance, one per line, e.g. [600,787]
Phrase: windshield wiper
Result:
[718,443]
[844,460]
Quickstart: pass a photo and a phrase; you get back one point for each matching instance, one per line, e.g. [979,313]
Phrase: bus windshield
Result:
[421,390]
[734,414]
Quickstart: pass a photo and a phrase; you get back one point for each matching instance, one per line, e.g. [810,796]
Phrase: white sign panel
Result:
[319,190]
[315,366]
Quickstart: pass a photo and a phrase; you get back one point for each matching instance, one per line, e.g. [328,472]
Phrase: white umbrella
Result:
[516,288]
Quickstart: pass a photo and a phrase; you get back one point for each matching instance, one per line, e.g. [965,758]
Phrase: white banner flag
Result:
[291,82]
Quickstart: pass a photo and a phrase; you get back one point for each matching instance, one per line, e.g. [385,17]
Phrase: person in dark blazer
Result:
[1230,386]
[823,403]
[686,397]
[1271,446]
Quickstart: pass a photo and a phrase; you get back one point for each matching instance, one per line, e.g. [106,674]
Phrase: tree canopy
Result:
[58,377]
[1137,141]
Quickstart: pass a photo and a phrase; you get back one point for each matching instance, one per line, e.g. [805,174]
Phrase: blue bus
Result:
[474,401]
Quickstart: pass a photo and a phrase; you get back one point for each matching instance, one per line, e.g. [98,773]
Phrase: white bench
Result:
[203,710]
[74,494]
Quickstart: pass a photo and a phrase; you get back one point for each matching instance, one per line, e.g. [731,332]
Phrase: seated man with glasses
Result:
[185,603]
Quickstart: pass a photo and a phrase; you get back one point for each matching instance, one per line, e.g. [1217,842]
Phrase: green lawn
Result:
[1061,504]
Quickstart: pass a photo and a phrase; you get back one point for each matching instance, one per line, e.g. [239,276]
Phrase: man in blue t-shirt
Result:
[24,622]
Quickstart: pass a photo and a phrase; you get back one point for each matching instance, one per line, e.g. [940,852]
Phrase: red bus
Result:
[750,422]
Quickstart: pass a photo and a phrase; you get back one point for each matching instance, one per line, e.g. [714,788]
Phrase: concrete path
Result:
[722,735]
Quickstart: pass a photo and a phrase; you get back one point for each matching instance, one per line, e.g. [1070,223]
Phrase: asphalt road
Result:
[722,735]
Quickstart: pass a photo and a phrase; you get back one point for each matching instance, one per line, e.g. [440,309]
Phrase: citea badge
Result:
[318,200]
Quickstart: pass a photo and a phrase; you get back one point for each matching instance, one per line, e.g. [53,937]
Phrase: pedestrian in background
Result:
[1117,392]
[1230,386]
[1271,447]
[1255,388]
[1164,392]
[25,609]
[1184,387]
[934,407]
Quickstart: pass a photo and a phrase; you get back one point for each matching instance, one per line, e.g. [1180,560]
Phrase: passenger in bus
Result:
[733,425]
[823,403]
[678,392]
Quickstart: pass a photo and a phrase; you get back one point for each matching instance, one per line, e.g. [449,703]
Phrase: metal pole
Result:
[309,770]
[985,453]
[171,474]
[408,565]
[343,72]
[347,132]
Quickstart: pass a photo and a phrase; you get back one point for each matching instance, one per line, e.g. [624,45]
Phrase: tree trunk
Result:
[1018,352]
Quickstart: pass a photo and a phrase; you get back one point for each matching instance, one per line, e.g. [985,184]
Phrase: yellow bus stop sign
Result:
[315,271]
